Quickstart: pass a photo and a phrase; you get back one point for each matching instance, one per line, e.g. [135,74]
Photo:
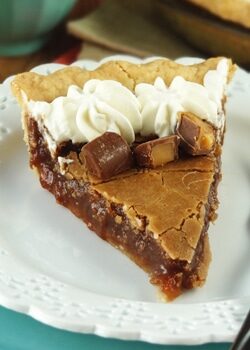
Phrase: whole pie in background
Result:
[211,26]
[134,151]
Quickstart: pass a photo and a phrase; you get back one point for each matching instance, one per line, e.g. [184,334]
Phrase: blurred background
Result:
[41,31]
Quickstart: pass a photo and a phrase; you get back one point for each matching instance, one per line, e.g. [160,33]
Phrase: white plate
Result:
[54,269]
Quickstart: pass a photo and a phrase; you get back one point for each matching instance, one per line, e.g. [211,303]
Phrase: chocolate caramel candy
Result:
[157,152]
[197,136]
[106,156]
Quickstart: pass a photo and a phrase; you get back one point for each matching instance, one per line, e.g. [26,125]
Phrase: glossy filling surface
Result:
[109,221]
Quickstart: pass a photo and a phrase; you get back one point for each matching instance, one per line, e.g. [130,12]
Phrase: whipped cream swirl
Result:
[84,114]
[160,104]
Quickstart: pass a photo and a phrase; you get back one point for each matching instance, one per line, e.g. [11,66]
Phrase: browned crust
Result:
[172,202]
[46,88]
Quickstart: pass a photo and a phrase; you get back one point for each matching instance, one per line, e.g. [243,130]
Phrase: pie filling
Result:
[110,222]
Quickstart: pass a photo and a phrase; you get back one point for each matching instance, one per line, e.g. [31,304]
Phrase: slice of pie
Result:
[134,151]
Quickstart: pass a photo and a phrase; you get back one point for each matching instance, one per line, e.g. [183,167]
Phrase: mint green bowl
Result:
[25,24]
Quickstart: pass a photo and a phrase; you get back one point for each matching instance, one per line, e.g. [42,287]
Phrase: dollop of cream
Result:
[160,104]
[84,114]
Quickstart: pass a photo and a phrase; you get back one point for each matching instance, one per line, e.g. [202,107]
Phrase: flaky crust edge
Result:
[37,87]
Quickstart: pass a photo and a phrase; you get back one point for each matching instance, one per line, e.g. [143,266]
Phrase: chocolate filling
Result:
[109,221]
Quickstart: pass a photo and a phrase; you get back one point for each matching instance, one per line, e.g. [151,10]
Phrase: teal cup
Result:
[25,24]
